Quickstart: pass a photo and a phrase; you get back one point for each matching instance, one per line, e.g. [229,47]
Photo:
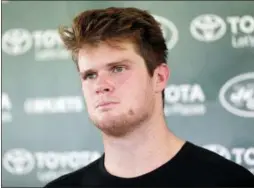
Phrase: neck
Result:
[145,149]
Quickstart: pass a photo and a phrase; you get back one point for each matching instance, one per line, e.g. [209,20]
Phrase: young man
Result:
[121,57]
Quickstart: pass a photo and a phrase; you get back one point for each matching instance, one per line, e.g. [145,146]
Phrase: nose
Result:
[104,84]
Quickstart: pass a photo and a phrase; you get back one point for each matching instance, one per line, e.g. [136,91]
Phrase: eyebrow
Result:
[111,64]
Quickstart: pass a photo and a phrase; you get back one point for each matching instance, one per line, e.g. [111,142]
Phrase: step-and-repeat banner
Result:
[46,131]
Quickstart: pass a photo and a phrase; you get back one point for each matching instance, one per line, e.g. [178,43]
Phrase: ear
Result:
[161,75]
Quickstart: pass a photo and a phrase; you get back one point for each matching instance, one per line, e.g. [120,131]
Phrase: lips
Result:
[105,104]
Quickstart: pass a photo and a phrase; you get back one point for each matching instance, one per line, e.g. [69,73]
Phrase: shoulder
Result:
[76,178]
[219,166]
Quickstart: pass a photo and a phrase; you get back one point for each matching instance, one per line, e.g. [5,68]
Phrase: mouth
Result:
[106,104]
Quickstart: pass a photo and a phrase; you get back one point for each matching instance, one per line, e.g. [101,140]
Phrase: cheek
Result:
[124,80]
[131,86]
[87,92]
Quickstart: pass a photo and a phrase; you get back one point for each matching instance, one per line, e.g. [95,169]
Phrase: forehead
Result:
[103,54]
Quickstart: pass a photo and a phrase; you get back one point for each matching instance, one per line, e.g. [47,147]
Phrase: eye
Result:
[90,76]
[118,68]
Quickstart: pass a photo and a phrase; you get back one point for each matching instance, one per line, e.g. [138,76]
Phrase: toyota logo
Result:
[18,161]
[207,28]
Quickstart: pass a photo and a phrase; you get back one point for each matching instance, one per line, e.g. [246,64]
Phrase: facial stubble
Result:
[125,123]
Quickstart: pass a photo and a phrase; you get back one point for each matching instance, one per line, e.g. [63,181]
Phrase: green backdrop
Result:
[209,99]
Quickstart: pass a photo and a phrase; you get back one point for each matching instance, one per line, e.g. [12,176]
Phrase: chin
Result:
[111,123]
[117,124]
[108,118]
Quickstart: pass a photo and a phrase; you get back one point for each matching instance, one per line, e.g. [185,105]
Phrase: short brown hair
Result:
[112,24]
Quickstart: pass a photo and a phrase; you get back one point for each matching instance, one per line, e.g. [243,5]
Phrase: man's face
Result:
[118,91]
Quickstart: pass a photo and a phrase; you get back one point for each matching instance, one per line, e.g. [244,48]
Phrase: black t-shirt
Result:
[191,166]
